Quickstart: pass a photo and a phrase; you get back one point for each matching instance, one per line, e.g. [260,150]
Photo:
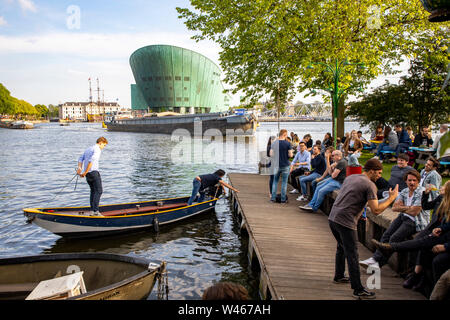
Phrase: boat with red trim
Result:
[78,222]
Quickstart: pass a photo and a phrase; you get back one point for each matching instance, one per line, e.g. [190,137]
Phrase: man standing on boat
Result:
[203,182]
[89,161]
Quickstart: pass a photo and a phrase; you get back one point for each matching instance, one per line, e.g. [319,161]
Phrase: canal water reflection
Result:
[38,163]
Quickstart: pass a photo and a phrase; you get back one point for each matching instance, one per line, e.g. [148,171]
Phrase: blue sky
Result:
[45,58]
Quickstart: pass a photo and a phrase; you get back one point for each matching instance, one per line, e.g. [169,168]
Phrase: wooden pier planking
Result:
[296,249]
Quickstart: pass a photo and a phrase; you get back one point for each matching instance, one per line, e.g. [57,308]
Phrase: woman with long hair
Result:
[295,141]
[433,242]
[352,149]
[390,143]
[326,142]
[378,134]
[269,145]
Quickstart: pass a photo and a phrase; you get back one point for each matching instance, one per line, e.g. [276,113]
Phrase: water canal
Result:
[36,164]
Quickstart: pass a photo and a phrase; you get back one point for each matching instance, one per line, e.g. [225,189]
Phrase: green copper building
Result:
[175,79]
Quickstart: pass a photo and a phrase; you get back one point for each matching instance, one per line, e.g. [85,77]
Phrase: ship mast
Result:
[90,91]
[98,93]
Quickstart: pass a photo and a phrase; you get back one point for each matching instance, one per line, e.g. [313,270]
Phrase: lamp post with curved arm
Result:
[336,92]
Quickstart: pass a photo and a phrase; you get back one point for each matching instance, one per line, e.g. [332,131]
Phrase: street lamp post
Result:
[335,91]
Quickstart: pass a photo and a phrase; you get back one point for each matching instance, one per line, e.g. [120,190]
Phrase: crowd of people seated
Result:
[389,144]
[323,169]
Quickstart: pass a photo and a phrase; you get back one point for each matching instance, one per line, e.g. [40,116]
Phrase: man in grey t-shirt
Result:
[356,191]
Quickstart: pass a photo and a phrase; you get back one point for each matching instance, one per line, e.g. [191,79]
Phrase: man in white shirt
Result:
[442,130]
[89,161]
[411,219]
[303,158]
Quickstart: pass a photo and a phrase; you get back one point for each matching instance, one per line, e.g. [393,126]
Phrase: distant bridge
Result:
[314,111]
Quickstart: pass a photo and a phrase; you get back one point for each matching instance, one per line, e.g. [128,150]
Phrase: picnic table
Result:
[423,154]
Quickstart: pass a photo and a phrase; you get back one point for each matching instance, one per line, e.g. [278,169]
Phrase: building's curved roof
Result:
[170,77]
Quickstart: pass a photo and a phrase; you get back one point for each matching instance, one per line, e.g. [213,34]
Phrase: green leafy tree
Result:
[13,106]
[53,111]
[6,101]
[268,44]
[420,99]
[42,110]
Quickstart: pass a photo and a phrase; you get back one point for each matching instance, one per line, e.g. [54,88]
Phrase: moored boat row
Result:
[16,124]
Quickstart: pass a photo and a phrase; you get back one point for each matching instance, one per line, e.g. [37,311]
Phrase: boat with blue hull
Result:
[78,222]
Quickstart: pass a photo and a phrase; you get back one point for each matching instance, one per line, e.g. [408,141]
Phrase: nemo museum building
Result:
[170,78]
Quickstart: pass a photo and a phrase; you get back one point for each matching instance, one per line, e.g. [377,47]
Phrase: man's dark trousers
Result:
[294,174]
[95,183]
[399,230]
[346,249]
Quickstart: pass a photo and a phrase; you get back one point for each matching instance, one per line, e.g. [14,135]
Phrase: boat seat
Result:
[142,209]
[17,287]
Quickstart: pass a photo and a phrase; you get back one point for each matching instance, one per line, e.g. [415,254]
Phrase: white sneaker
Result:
[95,213]
[294,191]
[302,198]
[369,262]
[306,207]
[376,158]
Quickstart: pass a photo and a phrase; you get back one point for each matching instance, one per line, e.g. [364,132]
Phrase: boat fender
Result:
[156,224]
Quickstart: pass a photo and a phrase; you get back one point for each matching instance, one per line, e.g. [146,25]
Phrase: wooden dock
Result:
[295,250]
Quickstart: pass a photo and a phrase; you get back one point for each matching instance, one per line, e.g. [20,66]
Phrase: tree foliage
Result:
[419,99]
[268,44]
[12,106]
[42,110]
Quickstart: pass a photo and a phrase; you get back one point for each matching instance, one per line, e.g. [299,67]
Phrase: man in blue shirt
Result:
[404,141]
[280,153]
[89,161]
[303,157]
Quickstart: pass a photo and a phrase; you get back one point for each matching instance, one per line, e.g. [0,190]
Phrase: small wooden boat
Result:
[76,222]
[106,276]
[16,125]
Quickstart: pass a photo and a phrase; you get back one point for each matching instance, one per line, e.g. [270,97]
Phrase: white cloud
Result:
[27,5]
[101,45]
[3,21]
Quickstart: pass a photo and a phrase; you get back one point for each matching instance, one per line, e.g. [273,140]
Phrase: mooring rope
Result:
[76,175]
